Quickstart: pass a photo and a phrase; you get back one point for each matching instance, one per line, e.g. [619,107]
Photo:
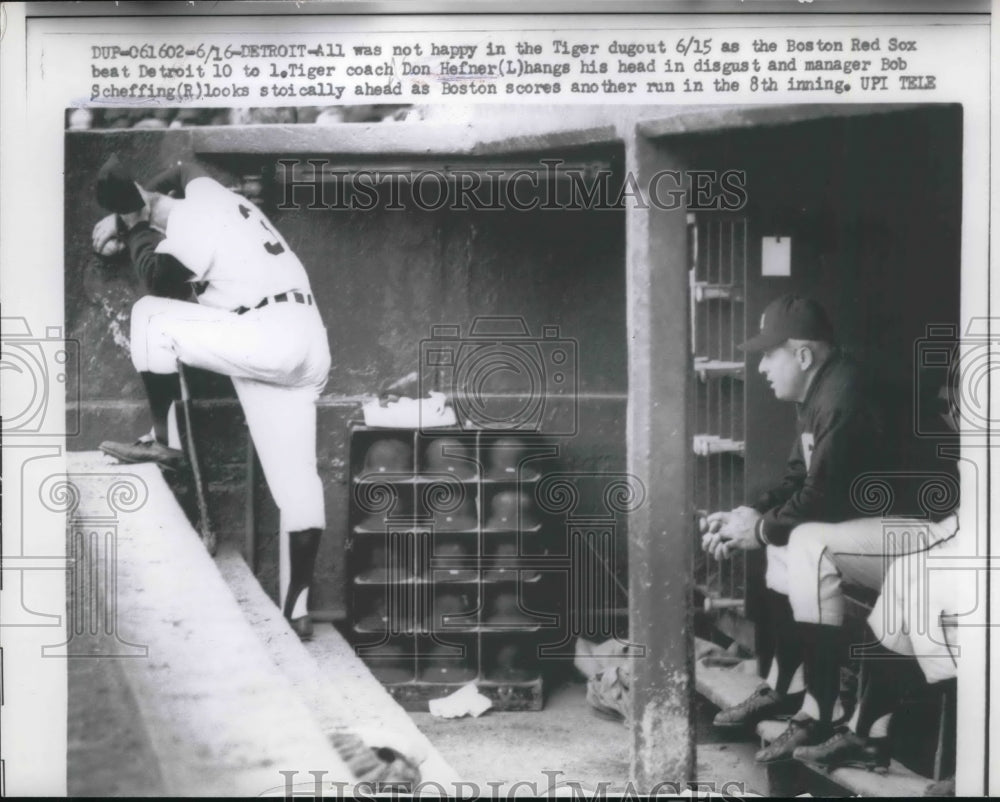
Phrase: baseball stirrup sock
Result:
[162,389]
[787,642]
[302,549]
[886,677]
[823,646]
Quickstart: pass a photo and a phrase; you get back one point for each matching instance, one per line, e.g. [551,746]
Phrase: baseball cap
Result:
[790,317]
[116,189]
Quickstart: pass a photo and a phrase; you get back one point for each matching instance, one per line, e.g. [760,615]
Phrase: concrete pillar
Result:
[659,456]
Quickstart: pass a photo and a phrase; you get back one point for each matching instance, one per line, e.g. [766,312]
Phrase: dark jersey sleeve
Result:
[842,439]
[161,273]
[795,475]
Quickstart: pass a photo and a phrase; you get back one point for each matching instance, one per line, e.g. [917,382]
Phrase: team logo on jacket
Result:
[807,447]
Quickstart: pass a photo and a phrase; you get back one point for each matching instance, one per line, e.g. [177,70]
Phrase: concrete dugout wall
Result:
[382,278]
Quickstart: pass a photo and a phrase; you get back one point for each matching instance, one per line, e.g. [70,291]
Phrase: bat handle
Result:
[207,535]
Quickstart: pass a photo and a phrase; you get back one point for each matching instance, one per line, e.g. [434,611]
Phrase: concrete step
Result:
[336,685]
[221,718]
[723,686]
[727,686]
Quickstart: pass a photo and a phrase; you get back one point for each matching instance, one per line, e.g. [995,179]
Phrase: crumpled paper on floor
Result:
[466,701]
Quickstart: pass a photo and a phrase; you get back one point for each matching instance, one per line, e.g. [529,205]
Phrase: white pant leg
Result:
[821,556]
[776,570]
[907,618]
[152,346]
[282,422]
[282,343]
[278,357]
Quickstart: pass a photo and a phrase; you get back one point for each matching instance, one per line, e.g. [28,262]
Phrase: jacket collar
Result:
[834,357]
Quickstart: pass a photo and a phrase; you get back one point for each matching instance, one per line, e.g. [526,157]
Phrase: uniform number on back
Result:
[274,246]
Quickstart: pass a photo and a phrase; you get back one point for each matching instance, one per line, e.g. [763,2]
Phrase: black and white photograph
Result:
[350,275]
[494,446]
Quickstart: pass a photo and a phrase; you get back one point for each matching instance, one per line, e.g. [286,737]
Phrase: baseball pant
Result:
[819,557]
[278,358]
[911,615]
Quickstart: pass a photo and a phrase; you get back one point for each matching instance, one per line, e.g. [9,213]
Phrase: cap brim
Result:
[764,341]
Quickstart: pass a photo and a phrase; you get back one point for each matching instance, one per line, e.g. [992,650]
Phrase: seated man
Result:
[821,557]
[255,321]
[907,643]
[812,549]
[837,440]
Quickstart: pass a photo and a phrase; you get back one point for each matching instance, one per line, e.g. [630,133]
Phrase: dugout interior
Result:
[869,196]
[387,277]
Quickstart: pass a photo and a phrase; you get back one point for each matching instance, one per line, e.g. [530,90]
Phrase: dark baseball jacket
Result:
[838,437]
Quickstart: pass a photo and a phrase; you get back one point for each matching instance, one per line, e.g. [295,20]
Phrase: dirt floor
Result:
[565,744]
[562,746]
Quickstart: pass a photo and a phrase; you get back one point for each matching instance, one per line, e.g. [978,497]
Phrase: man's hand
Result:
[105,237]
[712,542]
[731,531]
[739,532]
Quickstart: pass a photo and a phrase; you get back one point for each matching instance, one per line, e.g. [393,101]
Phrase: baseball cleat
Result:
[763,704]
[303,627]
[145,449]
[800,732]
[846,748]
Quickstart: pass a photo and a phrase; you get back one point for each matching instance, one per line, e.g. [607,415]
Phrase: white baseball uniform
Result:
[257,322]
[820,556]
[921,600]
